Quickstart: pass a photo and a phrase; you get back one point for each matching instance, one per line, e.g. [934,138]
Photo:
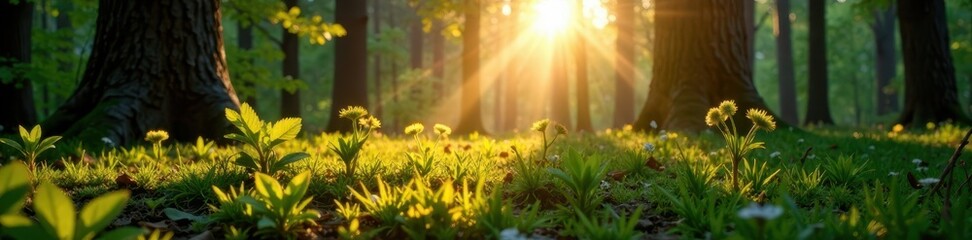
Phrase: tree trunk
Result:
[379,77]
[16,94]
[351,62]
[470,118]
[931,94]
[818,105]
[290,99]
[559,86]
[702,51]
[513,71]
[415,43]
[580,62]
[624,71]
[887,60]
[143,75]
[784,61]
[245,40]
[438,58]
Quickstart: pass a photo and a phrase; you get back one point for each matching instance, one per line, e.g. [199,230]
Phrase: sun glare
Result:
[553,16]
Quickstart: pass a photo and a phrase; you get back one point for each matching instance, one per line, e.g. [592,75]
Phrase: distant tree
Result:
[580,62]
[784,63]
[143,75]
[350,61]
[379,76]
[16,93]
[931,94]
[624,72]
[438,57]
[702,56]
[470,114]
[886,65]
[818,103]
[290,98]
[244,39]
[559,86]
[514,68]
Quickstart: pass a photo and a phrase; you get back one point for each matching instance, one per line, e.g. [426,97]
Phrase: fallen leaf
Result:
[655,164]
[125,181]
[617,175]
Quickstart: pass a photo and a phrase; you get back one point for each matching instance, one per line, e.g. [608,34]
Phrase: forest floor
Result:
[824,182]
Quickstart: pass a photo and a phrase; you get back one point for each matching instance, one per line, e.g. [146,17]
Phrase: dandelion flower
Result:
[561,129]
[727,108]
[761,119]
[764,212]
[370,122]
[897,128]
[156,136]
[353,112]
[713,118]
[442,130]
[540,126]
[928,181]
[414,129]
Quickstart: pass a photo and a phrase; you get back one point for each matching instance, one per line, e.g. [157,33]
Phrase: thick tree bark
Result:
[438,58]
[470,114]
[886,60]
[624,71]
[701,58]
[818,103]
[784,63]
[290,99]
[351,62]
[16,94]
[245,40]
[931,94]
[559,86]
[143,75]
[580,62]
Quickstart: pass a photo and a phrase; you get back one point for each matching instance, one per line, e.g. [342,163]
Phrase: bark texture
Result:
[470,114]
[624,71]
[887,60]
[350,62]
[931,94]
[16,94]
[702,57]
[784,63]
[818,103]
[155,65]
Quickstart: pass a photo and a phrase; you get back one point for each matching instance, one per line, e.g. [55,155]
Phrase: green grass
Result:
[844,187]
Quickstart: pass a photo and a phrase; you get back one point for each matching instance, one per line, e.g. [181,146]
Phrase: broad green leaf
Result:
[35,134]
[237,137]
[250,118]
[285,129]
[176,215]
[266,222]
[12,144]
[234,117]
[55,211]
[268,187]
[27,232]
[123,234]
[101,211]
[290,158]
[246,161]
[257,205]
[14,186]
[48,143]
[297,188]
[24,134]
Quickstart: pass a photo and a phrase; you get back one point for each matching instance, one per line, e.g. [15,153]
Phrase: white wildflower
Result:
[775,154]
[605,185]
[553,158]
[870,147]
[800,140]
[916,161]
[928,181]
[713,153]
[512,234]
[892,174]
[108,141]
[764,212]
[663,137]
[812,156]
[921,169]
[653,124]
[649,147]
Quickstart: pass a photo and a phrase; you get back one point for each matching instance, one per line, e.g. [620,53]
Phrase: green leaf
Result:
[246,161]
[55,211]
[12,144]
[24,134]
[297,188]
[48,143]
[268,187]
[176,215]
[26,232]
[35,134]
[101,211]
[290,158]
[285,129]
[266,222]
[14,186]
[123,233]
[237,137]
[234,117]
[250,118]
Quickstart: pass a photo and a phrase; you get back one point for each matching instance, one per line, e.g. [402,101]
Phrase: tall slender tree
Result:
[580,62]
[559,85]
[470,114]
[351,61]
[701,57]
[16,93]
[379,76]
[513,70]
[886,59]
[438,58]
[624,72]
[931,94]
[818,103]
[784,63]
[245,41]
[131,86]
[290,98]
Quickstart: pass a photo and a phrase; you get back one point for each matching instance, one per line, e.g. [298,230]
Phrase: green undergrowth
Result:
[545,183]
